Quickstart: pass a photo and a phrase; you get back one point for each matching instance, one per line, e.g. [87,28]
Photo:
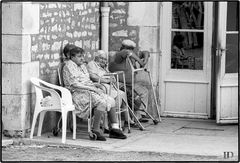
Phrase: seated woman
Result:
[66,50]
[98,70]
[178,54]
[76,79]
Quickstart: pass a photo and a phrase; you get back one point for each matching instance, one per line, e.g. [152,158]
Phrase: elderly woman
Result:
[98,70]
[76,79]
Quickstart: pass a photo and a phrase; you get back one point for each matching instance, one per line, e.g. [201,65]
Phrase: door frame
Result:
[195,75]
[223,80]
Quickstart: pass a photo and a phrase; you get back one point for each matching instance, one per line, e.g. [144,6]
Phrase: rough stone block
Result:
[16,112]
[20,18]
[16,77]
[143,14]
[148,38]
[16,48]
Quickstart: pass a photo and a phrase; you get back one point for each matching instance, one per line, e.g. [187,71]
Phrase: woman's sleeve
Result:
[91,68]
[69,75]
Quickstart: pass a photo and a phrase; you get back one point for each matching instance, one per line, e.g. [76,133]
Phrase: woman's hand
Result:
[96,90]
[100,87]
[113,79]
[108,77]
[97,85]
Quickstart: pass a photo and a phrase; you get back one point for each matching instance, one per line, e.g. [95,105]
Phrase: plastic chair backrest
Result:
[60,76]
[42,86]
[36,83]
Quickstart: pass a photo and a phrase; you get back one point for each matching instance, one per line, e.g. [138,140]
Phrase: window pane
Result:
[187,15]
[232,16]
[232,53]
[187,50]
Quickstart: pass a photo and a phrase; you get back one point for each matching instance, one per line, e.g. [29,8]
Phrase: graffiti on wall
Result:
[62,23]
[118,27]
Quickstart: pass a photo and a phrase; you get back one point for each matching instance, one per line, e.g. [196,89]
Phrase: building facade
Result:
[202,84]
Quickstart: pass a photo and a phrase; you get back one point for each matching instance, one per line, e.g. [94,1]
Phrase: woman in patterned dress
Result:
[98,70]
[76,79]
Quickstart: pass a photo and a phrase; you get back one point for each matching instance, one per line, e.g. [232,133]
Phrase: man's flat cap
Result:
[128,43]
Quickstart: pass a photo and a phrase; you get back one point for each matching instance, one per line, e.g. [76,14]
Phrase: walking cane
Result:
[154,95]
[133,84]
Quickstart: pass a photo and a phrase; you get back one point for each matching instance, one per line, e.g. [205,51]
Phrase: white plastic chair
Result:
[54,102]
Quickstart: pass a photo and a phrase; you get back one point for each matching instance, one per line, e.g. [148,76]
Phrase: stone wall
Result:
[62,23]
[21,20]
[140,22]
[119,29]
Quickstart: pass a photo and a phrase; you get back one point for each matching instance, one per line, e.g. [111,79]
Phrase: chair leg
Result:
[126,102]
[64,126]
[42,114]
[119,110]
[128,116]
[33,123]
[128,120]
[74,124]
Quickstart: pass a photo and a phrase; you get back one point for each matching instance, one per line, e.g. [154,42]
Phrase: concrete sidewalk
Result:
[172,135]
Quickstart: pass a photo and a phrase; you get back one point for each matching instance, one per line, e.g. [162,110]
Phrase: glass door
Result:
[186,58]
[187,35]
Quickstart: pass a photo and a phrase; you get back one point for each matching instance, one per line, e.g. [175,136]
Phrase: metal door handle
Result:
[220,51]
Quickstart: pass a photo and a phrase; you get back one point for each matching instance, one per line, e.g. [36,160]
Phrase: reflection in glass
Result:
[187,15]
[185,54]
[231,53]
[232,16]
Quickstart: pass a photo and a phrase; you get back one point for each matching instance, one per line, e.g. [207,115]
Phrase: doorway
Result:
[186,59]
[199,81]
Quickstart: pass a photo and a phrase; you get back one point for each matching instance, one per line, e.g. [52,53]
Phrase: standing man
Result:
[120,63]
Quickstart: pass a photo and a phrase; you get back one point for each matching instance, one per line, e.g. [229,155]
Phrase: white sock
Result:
[115,125]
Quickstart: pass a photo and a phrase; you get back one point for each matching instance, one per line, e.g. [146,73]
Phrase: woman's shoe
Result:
[106,131]
[100,137]
[117,134]
[143,120]
[133,125]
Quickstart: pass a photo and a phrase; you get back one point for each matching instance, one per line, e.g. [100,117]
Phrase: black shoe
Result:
[106,131]
[134,125]
[117,134]
[99,136]
[143,120]
[145,117]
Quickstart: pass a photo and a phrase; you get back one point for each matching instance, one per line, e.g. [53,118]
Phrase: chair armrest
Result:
[66,95]
[114,73]
[54,95]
